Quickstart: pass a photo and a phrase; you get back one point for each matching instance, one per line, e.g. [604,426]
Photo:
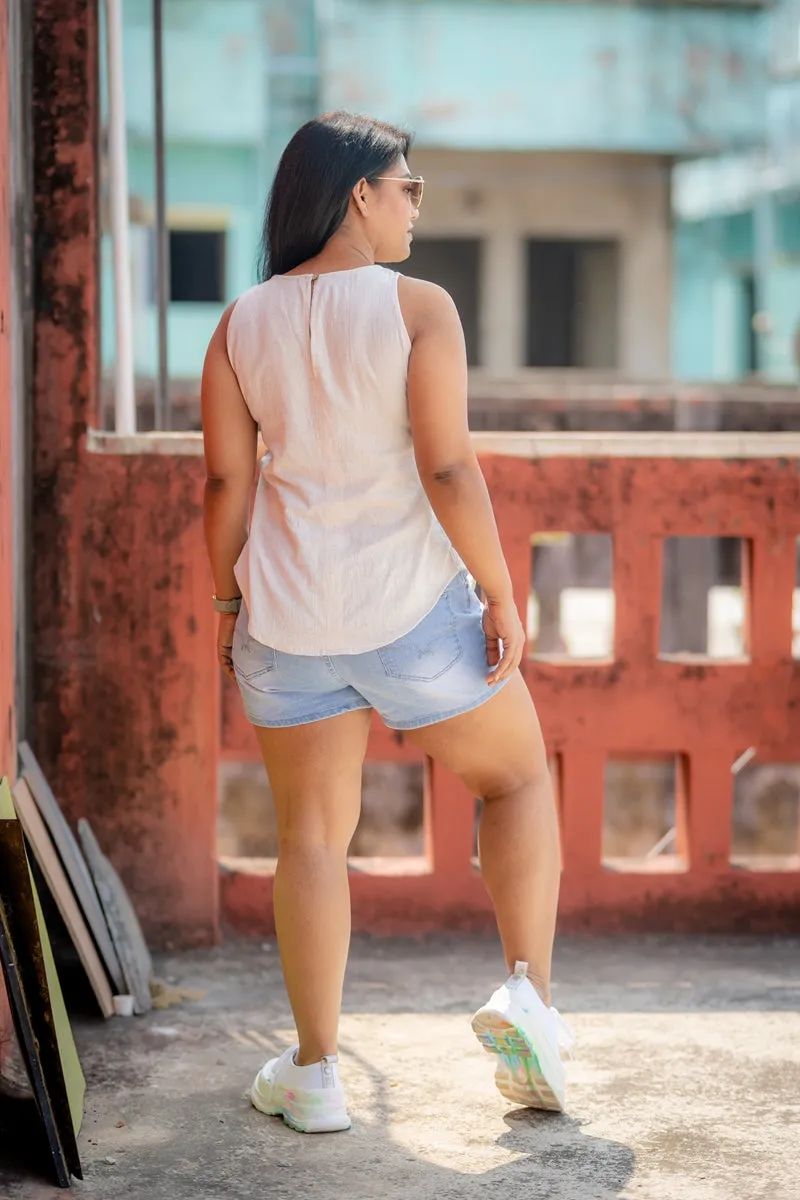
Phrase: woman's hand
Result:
[225,628]
[501,623]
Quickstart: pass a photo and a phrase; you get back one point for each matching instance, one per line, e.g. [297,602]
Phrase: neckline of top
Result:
[325,274]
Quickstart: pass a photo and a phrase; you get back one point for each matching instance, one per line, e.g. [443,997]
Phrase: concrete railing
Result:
[635,704]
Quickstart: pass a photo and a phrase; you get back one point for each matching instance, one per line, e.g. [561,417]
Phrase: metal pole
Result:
[163,413]
[125,395]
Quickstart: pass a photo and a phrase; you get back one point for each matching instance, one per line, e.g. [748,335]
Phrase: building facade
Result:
[737,238]
[547,132]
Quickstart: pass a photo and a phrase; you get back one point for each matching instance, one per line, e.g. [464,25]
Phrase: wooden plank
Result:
[73,862]
[137,965]
[35,970]
[23,1023]
[47,858]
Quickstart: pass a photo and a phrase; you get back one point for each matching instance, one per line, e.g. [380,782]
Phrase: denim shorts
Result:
[436,671]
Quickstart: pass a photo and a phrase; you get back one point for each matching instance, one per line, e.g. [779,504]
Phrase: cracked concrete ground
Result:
[685,1084]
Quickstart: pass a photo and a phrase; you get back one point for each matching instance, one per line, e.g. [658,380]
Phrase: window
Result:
[197,266]
[573,304]
[643,815]
[703,603]
[749,311]
[785,38]
[571,599]
[766,817]
[453,263]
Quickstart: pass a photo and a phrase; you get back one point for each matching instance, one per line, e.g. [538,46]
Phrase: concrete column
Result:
[502,315]
[646,315]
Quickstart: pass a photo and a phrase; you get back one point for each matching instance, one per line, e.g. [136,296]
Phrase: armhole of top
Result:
[405,335]
[232,364]
[228,350]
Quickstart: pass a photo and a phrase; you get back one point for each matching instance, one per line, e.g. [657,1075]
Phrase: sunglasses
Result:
[415,186]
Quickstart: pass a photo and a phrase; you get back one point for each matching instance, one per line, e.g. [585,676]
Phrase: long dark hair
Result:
[311,191]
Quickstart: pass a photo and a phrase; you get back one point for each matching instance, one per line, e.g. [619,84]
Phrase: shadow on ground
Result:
[676,1037]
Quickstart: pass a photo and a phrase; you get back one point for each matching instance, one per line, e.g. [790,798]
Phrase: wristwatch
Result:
[227,606]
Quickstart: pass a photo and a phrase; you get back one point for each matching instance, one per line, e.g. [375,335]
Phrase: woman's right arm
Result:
[447,464]
[229,439]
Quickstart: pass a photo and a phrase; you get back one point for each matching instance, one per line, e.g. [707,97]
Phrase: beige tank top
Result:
[345,553]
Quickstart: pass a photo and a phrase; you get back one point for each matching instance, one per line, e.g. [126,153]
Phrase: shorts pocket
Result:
[428,651]
[252,659]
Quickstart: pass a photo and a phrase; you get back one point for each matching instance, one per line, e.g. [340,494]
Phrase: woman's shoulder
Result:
[251,296]
[424,304]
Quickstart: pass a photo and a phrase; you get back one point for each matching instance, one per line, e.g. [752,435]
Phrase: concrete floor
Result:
[685,1084]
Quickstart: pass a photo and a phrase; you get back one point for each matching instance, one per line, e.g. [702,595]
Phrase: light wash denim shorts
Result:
[436,671]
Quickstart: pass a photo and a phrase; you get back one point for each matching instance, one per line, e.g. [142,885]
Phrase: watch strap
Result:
[227,606]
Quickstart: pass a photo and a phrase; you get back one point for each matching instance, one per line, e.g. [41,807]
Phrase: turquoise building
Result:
[737,238]
[548,133]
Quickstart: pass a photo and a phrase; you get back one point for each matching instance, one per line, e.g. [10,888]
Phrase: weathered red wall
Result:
[146,689]
[636,705]
[65,368]
[147,717]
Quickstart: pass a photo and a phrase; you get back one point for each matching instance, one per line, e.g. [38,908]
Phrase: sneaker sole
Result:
[519,1076]
[296,1121]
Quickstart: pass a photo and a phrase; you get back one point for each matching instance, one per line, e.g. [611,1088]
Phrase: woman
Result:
[349,591]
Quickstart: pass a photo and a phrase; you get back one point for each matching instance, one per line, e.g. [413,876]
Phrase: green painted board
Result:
[39,980]
[23,1024]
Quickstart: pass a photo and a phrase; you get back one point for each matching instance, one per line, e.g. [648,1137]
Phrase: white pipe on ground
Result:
[124,390]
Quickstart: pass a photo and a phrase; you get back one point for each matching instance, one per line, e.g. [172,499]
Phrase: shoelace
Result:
[566,1038]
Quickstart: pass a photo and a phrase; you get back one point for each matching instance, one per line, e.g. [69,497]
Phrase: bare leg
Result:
[315,773]
[498,752]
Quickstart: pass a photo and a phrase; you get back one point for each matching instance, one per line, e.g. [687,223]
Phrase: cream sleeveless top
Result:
[345,553]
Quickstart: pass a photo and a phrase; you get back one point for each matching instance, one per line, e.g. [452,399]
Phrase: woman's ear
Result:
[359,195]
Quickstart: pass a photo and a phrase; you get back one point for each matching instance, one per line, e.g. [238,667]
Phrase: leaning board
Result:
[73,861]
[55,1059]
[137,965]
[48,860]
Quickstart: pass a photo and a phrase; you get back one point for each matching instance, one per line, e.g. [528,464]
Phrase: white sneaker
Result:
[310,1099]
[527,1037]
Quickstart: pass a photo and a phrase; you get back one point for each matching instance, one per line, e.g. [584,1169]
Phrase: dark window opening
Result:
[749,310]
[573,304]
[453,263]
[197,266]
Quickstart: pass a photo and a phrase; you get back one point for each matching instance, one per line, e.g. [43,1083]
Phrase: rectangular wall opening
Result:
[766,817]
[392,812]
[644,801]
[554,766]
[455,264]
[571,599]
[703,605]
[391,825]
[573,303]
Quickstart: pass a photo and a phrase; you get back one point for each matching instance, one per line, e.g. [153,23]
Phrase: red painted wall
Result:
[637,705]
[145,729]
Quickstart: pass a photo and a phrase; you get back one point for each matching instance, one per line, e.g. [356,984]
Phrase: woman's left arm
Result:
[229,438]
